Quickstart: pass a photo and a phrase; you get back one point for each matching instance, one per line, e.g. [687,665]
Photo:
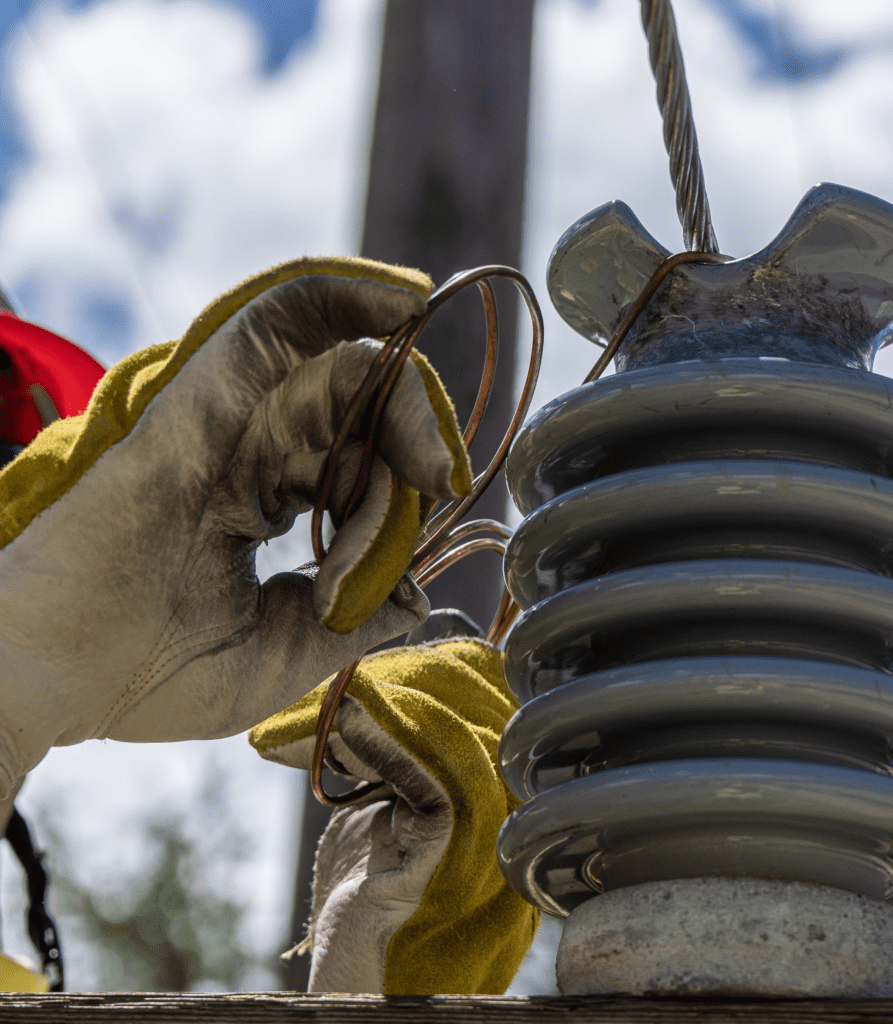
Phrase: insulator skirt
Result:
[705,654]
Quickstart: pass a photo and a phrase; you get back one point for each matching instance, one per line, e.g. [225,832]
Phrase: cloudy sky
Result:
[155,152]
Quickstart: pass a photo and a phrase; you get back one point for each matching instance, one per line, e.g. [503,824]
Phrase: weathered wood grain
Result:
[270,1007]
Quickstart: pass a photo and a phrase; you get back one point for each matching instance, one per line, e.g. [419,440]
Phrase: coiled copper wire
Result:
[442,543]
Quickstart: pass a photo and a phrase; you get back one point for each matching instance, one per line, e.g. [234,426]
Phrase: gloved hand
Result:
[408,898]
[129,604]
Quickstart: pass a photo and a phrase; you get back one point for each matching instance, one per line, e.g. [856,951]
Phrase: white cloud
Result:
[166,168]
[827,22]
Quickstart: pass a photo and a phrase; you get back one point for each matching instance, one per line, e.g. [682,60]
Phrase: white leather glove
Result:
[408,897]
[129,604]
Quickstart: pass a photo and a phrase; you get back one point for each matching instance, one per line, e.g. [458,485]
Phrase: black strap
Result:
[40,924]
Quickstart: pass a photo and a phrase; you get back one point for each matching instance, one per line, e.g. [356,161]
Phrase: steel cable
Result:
[680,137]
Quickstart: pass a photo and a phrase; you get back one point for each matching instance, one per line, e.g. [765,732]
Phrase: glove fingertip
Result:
[372,299]
[367,560]
[460,479]
[359,267]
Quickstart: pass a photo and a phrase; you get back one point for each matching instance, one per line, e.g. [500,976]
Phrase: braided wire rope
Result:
[680,137]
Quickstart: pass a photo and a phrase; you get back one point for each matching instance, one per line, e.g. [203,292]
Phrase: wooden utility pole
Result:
[446,193]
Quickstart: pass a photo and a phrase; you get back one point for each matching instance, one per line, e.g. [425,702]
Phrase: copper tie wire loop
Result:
[441,543]
[644,297]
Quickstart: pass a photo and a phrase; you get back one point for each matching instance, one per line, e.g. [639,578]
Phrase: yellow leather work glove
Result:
[129,603]
[408,897]
[16,977]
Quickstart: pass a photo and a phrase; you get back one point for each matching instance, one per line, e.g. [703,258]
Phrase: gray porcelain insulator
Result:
[705,658]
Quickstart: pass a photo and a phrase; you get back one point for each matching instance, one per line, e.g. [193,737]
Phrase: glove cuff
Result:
[443,706]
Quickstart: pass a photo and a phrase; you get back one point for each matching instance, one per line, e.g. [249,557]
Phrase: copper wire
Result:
[483,395]
[460,533]
[645,296]
[456,554]
[439,548]
[506,614]
[383,375]
[358,404]
[441,523]
[327,711]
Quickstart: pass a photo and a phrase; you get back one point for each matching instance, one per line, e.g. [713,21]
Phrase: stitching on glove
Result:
[154,671]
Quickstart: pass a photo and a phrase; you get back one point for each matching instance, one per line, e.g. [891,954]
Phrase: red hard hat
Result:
[41,366]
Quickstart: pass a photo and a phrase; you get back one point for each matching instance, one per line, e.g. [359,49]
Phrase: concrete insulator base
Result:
[728,937]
